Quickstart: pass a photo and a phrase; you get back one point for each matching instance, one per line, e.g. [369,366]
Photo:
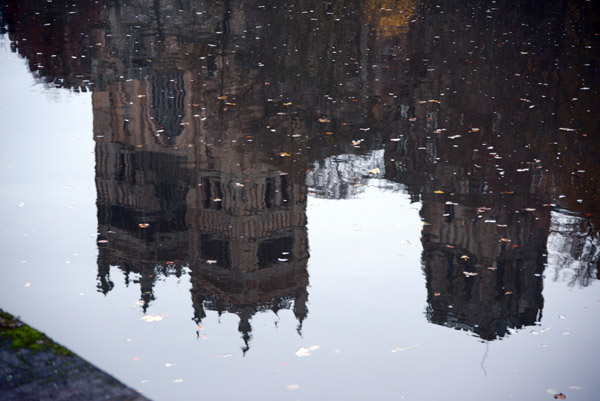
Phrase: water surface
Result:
[307,200]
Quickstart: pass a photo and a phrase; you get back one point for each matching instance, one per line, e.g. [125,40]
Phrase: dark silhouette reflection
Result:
[212,120]
[495,137]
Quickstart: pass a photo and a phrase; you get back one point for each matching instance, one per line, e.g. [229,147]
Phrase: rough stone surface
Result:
[48,374]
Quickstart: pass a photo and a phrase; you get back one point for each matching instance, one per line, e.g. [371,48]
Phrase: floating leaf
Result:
[438,192]
[143,225]
[284,154]
[398,349]
[302,352]
[152,318]
[324,120]
[375,171]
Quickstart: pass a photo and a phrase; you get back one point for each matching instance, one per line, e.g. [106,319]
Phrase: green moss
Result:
[22,336]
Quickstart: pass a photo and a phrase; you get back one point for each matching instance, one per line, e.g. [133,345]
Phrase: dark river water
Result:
[307,200]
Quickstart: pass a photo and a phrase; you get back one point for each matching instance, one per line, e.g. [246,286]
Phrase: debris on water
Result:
[302,352]
[399,349]
[178,381]
[153,318]
[292,387]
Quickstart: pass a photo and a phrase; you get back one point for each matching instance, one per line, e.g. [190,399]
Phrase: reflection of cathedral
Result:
[237,221]
[184,179]
[207,117]
[485,151]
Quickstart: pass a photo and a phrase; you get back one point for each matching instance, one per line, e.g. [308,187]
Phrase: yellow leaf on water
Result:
[438,192]
[375,171]
[284,154]
[324,120]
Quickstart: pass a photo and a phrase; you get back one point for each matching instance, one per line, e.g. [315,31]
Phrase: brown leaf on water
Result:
[560,396]
[143,225]
[329,133]
[284,154]
[324,120]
